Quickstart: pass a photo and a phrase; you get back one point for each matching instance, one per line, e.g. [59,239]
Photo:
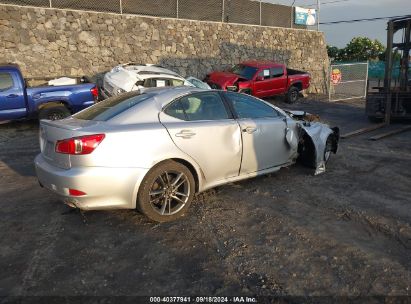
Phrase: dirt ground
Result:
[343,233]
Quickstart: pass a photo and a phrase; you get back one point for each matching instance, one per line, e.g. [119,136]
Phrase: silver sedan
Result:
[154,149]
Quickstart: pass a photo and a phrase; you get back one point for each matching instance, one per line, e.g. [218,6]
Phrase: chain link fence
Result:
[255,12]
[348,81]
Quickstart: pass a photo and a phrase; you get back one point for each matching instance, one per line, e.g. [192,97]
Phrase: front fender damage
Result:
[315,139]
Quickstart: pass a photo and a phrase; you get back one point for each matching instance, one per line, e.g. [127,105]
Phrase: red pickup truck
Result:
[261,79]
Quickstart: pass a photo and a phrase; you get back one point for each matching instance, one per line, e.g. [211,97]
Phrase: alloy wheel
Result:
[169,192]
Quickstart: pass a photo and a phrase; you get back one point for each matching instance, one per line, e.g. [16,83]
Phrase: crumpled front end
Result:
[316,140]
[324,139]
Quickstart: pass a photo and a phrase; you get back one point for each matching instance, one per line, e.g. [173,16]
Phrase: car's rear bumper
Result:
[105,188]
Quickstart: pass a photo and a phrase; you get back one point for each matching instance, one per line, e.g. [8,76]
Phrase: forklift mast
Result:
[394,101]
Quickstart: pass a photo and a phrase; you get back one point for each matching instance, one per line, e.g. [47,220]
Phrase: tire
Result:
[54,112]
[292,95]
[158,199]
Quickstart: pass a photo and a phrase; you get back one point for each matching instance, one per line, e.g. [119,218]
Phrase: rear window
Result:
[111,107]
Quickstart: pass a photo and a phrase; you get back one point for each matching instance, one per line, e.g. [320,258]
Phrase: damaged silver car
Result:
[155,148]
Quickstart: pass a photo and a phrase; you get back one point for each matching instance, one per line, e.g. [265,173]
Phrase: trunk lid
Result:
[52,131]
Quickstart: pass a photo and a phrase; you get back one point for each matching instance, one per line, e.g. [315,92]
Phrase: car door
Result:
[12,100]
[263,132]
[262,83]
[201,125]
[278,81]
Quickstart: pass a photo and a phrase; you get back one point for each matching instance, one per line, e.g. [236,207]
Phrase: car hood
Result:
[224,78]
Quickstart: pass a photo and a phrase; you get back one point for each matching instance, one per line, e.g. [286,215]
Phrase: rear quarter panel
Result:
[132,146]
[76,97]
[303,79]
[140,147]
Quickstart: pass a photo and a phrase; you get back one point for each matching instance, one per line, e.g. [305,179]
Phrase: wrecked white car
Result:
[132,77]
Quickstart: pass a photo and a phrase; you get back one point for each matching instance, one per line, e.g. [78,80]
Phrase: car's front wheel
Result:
[166,192]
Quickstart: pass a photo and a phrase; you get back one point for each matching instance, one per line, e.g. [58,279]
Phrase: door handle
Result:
[185,134]
[12,96]
[249,130]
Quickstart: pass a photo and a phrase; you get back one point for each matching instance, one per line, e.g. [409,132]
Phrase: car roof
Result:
[9,65]
[261,64]
[148,69]
[149,108]
[165,94]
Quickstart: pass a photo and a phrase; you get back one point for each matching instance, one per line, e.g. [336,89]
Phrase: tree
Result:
[358,49]
[333,53]
[361,49]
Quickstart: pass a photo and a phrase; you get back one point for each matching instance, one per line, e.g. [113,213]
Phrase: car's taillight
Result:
[79,145]
[94,92]
[75,192]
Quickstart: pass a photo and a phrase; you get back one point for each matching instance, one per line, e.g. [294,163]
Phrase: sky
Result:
[340,34]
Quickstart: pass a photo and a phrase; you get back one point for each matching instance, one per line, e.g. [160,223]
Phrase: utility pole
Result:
[318,15]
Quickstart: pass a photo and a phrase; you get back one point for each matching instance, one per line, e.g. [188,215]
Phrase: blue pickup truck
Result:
[19,101]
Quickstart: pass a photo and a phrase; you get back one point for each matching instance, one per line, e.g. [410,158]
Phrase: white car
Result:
[131,77]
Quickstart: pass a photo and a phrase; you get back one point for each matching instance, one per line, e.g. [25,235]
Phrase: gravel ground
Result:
[343,233]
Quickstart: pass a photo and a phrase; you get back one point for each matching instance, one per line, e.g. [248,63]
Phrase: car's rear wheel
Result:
[54,112]
[166,192]
[292,95]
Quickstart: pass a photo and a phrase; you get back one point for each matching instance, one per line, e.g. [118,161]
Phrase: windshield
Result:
[244,71]
[198,83]
[111,107]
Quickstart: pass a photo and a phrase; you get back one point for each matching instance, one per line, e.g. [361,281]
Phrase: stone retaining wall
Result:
[50,42]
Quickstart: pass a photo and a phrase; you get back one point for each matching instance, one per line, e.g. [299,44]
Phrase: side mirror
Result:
[259,78]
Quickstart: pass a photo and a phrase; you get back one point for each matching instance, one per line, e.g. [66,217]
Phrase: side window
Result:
[264,74]
[250,107]
[199,106]
[150,83]
[175,82]
[176,110]
[6,81]
[277,72]
[162,82]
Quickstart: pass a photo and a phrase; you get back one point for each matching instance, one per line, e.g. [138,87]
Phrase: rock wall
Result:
[51,42]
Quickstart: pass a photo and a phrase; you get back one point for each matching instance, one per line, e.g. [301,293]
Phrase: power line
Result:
[322,3]
[362,20]
[329,2]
